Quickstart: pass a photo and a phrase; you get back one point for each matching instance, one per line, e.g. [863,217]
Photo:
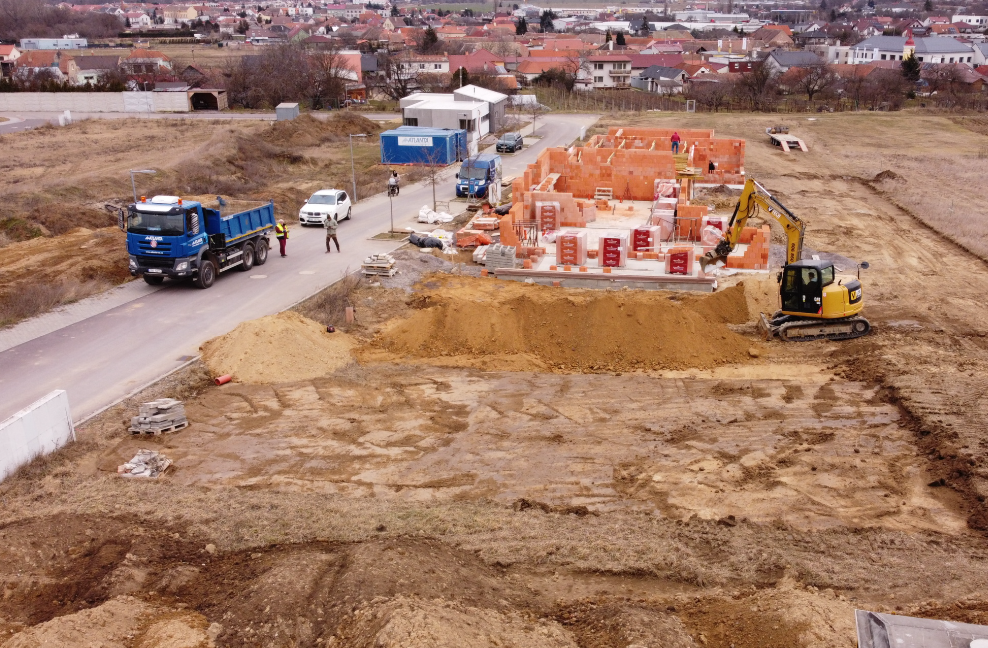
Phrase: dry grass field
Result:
[443,489]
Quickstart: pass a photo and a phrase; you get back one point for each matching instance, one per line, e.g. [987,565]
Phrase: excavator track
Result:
[794,329]
[841,329]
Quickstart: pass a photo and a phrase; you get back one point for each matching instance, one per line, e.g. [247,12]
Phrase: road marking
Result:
[307,272]
[258,276]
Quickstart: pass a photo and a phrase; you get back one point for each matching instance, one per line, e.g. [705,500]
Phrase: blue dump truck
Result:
[479,174]
[169,237]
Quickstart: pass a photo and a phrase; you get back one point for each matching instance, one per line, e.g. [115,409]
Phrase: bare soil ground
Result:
[54,181]
[407,499]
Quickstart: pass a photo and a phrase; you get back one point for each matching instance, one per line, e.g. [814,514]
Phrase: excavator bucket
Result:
[711,259]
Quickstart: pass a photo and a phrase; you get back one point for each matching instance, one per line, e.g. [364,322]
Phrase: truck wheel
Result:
[207,274]
[247,258]
[349,210]
[153,280]
[261,252]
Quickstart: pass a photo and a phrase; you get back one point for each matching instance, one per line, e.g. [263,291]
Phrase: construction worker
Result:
[281,233]
[675,142]
[331,224]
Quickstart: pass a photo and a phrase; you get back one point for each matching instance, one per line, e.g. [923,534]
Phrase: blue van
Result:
[477,174]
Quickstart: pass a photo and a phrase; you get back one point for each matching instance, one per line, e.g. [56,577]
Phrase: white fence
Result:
[135,102]
[39,429]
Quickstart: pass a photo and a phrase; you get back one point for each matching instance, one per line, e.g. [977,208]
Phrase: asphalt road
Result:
[110,353]
[17,124]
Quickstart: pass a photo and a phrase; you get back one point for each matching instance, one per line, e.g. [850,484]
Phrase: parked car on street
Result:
[509,143]
[323,204]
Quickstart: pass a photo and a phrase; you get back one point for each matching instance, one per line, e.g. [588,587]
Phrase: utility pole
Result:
[353,172]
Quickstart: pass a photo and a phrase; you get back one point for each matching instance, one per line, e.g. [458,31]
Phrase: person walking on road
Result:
[281,233]
[393,184]
[675,142]
[331,224]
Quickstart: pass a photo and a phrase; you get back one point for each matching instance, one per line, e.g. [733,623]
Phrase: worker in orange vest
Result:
[281,233]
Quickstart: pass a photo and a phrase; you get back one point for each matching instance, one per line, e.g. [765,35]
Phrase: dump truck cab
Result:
[165,236]
[811,288]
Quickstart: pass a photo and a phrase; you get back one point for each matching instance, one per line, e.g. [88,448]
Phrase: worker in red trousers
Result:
[281,233]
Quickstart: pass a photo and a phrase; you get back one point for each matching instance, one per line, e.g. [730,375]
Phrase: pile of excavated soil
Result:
[277,348]
[464,321]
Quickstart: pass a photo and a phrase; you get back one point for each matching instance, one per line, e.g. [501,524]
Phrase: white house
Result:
[138,19]
[609,71]
[977,21]
[935,49]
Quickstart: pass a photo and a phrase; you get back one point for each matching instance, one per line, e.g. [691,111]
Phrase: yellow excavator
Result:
[817,303]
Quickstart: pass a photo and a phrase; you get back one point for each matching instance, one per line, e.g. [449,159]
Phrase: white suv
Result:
[322,205]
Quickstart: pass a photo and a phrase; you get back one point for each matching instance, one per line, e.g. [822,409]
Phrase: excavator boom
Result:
[755,197]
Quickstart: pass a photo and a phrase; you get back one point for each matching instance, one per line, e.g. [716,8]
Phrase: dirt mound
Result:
[785,617]
[887,175]
[601,625]
[115,624]
[485,323]
[277,348]
[412,623]
[306,130]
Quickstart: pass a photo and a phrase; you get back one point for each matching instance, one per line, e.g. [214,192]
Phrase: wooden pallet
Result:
[156,431]
[379,272]
[604,193]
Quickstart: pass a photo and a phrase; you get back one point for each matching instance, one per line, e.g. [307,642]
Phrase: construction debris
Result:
[157,417]
[427,215]
[379,264]
[146,463]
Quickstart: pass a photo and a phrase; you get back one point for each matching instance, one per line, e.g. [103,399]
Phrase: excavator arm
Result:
[753,198]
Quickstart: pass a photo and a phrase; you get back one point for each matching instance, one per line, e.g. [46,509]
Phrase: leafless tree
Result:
[393,78]
[712,95]
[816,80]
[757,87]
[435,170]
[288,73]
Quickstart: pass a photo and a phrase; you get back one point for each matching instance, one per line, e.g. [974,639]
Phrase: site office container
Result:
[422,145]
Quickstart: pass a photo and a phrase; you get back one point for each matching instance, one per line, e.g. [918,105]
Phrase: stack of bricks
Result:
[680,261]
[547,214]
[571,249]
[613,250]
[755,257]
[500,256]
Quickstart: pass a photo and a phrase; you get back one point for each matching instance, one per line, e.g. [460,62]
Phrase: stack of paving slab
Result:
[379,264]
[162,415]
[500,256]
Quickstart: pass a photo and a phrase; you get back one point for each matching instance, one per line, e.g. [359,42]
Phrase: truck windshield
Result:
[141,222]
[473,173]
[322,200]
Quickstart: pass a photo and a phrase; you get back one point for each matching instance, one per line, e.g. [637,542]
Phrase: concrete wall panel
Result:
[39,429]
[136,102]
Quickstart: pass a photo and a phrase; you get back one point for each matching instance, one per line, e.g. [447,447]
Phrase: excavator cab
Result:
[802,286]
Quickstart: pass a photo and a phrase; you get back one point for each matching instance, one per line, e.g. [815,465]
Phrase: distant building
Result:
[469,108]
[936,49]
[53,43]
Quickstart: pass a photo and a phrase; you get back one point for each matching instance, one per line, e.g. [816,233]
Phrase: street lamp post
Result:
[133,185]
[353,172]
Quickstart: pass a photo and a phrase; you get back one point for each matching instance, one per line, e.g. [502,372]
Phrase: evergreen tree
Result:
[607,36]
[927,6]
[429,40]
[620,39]
[521,27]
[910,69]
[394,10]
